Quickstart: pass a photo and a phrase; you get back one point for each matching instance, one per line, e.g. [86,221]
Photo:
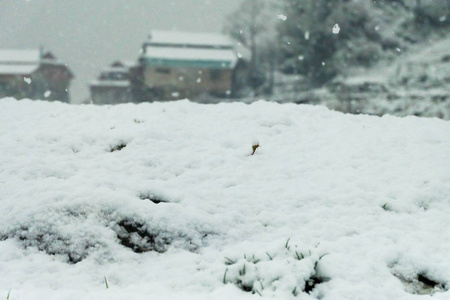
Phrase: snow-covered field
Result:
[164,201]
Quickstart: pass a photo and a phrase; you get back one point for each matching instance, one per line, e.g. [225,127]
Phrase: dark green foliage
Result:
[308,33]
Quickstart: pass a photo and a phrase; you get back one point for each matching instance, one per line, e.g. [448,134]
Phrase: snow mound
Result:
[165,201]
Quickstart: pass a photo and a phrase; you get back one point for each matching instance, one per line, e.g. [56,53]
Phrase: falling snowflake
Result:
[27,80]
[336,29]
[47,94]
[282,17]
[307,35]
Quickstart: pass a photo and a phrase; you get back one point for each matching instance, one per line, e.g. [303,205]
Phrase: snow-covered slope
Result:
[164,201]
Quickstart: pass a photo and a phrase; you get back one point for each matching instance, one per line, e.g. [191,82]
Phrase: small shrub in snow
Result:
[289,271]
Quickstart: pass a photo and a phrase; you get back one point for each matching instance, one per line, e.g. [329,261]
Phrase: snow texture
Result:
[164,201]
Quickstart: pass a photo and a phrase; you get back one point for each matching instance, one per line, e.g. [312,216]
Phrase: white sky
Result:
[90,34]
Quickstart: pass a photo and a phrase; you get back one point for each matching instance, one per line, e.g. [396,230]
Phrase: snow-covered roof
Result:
[116,69]
[189,38]
[24,61]
[12,56]
[123,64]
[18,69]
[110,83]
[187,49]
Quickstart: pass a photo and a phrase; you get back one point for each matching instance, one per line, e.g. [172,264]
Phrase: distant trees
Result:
[296,36]
[434,13]
[253,25]
[310,47]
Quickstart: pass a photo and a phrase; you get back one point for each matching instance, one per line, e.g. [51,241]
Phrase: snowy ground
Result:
[163,201]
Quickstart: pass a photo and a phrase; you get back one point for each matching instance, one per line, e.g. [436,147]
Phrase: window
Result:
[215,74]
[3,86]
[163,70]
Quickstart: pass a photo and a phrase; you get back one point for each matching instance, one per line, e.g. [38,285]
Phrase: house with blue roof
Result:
[177,65]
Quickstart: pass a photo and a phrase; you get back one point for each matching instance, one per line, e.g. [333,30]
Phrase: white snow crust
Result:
[369,193]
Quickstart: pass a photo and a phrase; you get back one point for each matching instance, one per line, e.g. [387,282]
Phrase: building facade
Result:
[33,74]
[177,65]
[113,85]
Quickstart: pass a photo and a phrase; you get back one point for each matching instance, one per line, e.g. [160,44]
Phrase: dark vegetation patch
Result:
[73,246]
[118,147]
[135,235]
[52,242]
[141,237]
[153,198]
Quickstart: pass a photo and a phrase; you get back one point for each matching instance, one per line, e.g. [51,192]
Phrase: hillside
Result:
[164,201]
[415,82]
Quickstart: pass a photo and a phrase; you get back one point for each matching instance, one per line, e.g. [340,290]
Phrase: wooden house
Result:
[177,65]
[33,74]
[113,84]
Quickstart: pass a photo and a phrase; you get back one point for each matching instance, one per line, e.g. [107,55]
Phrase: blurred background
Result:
[356,56]
[88,35]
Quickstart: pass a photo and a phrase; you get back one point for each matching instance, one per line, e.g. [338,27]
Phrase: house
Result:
[177,65]
[33,74]
[113,84]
